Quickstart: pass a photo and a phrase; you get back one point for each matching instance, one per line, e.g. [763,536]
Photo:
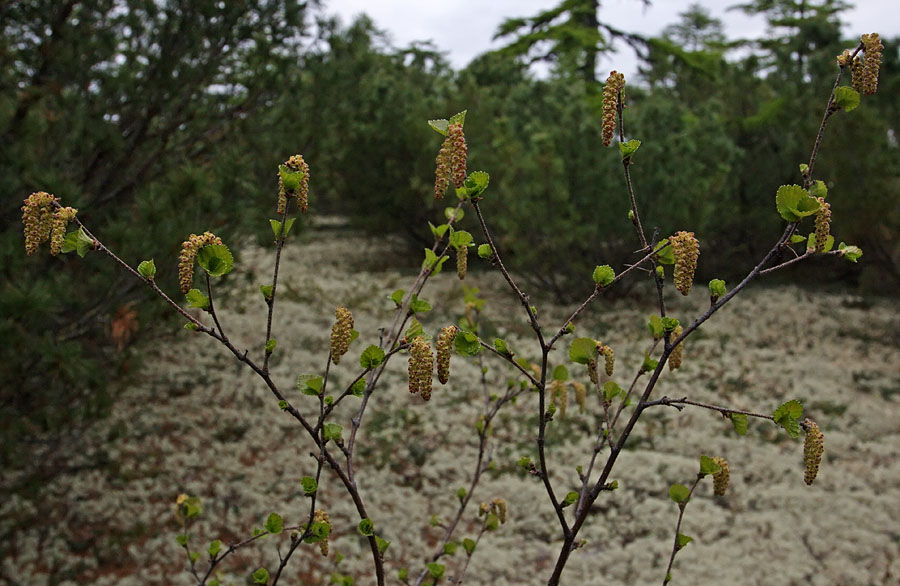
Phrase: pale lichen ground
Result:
[201,424]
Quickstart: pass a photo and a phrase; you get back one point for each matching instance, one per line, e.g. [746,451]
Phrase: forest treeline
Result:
[158,119]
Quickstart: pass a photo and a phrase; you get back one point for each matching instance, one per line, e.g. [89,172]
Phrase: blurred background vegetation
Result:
[158,119]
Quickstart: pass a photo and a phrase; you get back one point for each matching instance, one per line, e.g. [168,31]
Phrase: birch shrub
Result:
[587,379]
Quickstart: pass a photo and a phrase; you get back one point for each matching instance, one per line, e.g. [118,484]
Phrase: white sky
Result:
[464,28]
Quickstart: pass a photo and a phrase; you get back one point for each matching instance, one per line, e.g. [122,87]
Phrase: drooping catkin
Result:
[686,250]
[58,228]
[188,254]
[444,345]
[421,367]
[872,46]
[722,477]
[458,154]
[614,84]
[499,507]
[592,371]
[823,224]
[461,261]
[610,358]
[677,354]
[296,164]
[37,217]
[813,447]
[559,396]
[580,395]
[341,332]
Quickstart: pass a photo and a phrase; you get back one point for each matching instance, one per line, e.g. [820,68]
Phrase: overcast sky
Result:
[464,28]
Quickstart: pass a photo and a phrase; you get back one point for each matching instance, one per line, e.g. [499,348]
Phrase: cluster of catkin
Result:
[45,220]
[297,165]
[864,68]
[451,161]
[189,249]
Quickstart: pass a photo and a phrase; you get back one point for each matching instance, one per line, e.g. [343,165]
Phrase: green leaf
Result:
[318,532]
[454,214]
[794,203]
[708,465]
[811,242]
[147,269]
[403,574]
[436,570]
[381,544]
[717,288]
[611,390]
[283,405]
[466,343]
[787,416]
[524,462]
[439,126]
[289,178]
[664,252]
[571,498]
[476,183]
[818,189]
[197,298]
[215,259]
[435,521]
[669,324]
[461,493]
[460,239]
[561,373]
[649,364]
[215,547]
[181,540]
[804,169]
[681,540]
[191,326]
[850,252]
[274,523]
[846,98]
[628,148]
[679,493]
[266,291]
[79,241]
[484,251]
[491,522]
[332,431]
[797,238]
[502,347]
[459,118]
[261,576]
[450,547]
[583,350]
[419,305]
[397,297]
[276,227]
[739,421]
[309,485]
[433,262]
[195,555]
[414,330]
[604,275]
[359,388]
[270,345]
[438,231]
[371,357]
[655,325]
[366,528]
[469,546]
[310,384]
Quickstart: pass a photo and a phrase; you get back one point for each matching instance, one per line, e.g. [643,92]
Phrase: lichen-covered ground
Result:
[200,424]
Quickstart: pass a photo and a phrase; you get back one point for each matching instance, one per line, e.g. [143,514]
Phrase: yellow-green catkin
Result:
[421,367]
[614,84]
[722,477]
[462,262]
[499,507]
[580,395]
[609,357]
[37,219]
[823,224]
[297,165]
[322,517]
[188,254]
[872,47]
[592,371]
[442,170]
[678,351]
[444,344]
[813,447]
[559,395]
[686,250]
[58,228]
[458,154]
[341,333]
